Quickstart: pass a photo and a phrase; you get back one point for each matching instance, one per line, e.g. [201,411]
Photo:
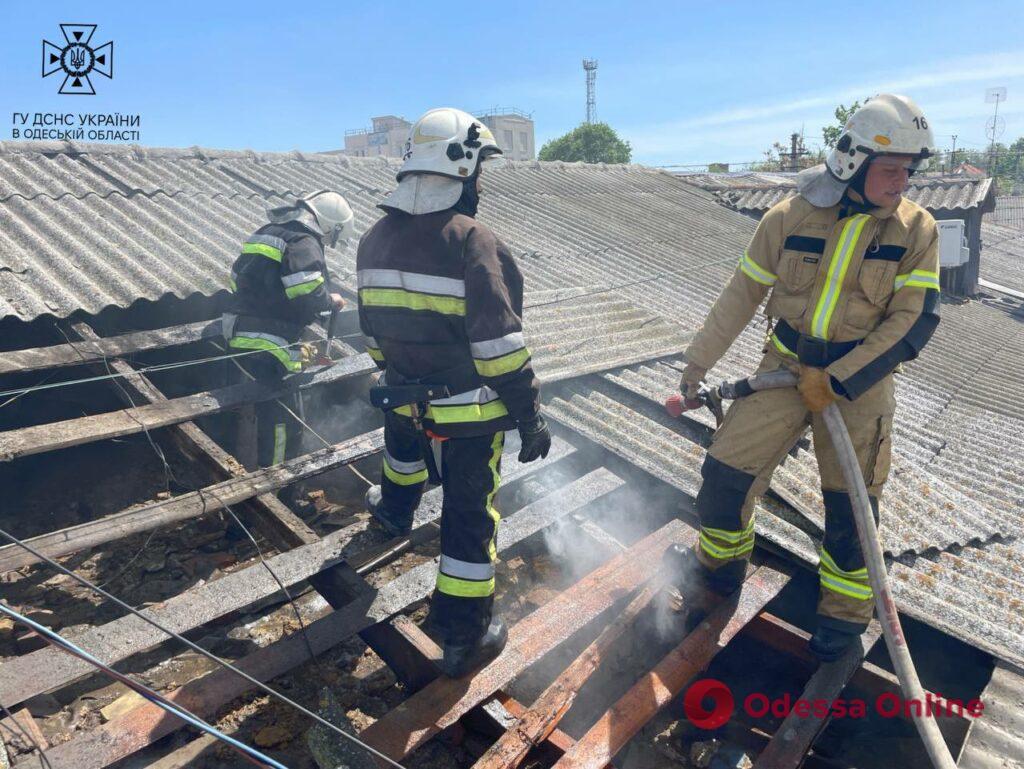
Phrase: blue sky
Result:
[684,82]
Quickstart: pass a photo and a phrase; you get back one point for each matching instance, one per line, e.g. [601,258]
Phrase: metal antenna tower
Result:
[590,67]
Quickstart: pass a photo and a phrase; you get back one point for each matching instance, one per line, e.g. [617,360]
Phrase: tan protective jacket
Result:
[854,293]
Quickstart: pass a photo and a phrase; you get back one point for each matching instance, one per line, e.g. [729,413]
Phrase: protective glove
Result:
[692,377]
[536,439]
[307,354]
[815,388]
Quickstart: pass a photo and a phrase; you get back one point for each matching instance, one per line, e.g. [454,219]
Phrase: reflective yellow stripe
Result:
[376,354]
[756,272]
[918,279]
[301,289]
[837,268]
[404,479]
[732,536]
[828,563]
[474,412]
[232,285]
[782,348]
[280,443]
[248,343]
[846,587]
[412,300]
[261,248]
[465,588]
[496,448]
[724,553]
[503,365]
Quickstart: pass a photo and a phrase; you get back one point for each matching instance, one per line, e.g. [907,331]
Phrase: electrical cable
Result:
[144,370]
[195,647]
[191,645]
[54,638]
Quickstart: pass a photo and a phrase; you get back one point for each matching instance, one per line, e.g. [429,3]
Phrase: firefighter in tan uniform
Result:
[851,272]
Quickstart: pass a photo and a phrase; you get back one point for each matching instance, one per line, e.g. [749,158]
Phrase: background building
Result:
[512,128]
[386,138]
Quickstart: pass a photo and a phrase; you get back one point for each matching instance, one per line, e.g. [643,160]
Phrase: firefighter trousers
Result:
[757,434]
[277,433]
[470,475]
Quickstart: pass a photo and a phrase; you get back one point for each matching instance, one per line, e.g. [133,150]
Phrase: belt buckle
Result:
[812,352]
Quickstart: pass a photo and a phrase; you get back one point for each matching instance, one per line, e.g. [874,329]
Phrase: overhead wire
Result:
[265,688]
[57,640]
[193,646]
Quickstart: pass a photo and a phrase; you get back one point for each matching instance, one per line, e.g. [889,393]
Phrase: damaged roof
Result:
[1003,262]
[622,263]
[940,195]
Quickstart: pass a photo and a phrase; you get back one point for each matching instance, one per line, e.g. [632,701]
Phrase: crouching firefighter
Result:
[279,286]
[851,272]
[440,304]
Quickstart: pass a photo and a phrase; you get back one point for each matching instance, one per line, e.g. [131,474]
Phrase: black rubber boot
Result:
[460,658]
[698,589]
[689,573]
[375,507]
[830,643]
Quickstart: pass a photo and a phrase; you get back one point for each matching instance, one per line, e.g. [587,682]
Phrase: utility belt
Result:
[413,396]
[809,350]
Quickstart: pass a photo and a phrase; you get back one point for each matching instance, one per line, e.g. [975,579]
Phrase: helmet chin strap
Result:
[469,201]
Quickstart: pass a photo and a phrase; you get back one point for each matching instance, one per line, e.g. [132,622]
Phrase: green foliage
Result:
[831,133]
[590,143]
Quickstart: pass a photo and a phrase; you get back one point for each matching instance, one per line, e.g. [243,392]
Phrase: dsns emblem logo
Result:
[78,59]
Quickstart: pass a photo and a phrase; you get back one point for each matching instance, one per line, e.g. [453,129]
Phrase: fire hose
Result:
[870,544]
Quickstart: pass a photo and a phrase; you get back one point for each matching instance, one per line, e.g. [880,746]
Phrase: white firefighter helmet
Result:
[333,215]
[447,142]
[886,125]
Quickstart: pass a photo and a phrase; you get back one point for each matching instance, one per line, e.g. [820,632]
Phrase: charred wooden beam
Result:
[184,507]
[653,691]
[147,723]
[543,716]
[795,735]
[49,668]
[91,350]
[75,432]
[443,702]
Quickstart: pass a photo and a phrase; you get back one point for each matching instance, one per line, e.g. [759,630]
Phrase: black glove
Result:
[536,439]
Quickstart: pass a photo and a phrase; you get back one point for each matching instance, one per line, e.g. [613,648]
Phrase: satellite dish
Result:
[994,128]
[995,95]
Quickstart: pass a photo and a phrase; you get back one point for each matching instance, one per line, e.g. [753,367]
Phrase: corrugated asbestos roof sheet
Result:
[996,740]
[935,194]
[1003,248]
[641,255]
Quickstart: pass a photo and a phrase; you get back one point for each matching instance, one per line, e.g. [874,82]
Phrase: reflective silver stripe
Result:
[453,567]
[480,395]
[493,348]
[227,324]
[406,468]
[300,277]
[371,342]
[280,341]
[268,240]
[412,281]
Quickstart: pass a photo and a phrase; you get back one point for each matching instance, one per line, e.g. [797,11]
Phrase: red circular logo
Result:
[722,704]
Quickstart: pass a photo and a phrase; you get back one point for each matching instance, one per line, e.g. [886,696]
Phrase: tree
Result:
[591,143]
[831,133]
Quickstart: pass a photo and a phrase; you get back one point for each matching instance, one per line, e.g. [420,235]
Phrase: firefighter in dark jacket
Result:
[279,286]
[440,303]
